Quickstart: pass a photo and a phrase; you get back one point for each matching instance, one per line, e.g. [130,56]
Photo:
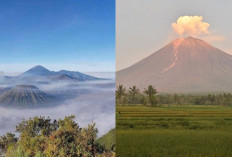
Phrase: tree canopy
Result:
[41,136]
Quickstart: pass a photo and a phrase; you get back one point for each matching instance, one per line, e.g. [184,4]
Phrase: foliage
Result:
[150,96]
[14,151]
[133,95]
[120,92]
[133,91]
[108,141]
[7,140]
[40,137]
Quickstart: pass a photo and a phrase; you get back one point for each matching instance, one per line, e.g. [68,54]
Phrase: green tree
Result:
[70,140]
[7,140]
[133,91]
[40,136]
[34,133]
[120,92]
[150,91]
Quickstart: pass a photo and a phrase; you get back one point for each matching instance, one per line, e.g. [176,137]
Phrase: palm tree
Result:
[150,92]
[133,91]
[120,92]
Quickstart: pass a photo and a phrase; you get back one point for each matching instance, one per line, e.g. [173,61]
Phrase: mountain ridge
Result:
[40,71]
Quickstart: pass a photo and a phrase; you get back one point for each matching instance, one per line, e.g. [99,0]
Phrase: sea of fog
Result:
[97,105]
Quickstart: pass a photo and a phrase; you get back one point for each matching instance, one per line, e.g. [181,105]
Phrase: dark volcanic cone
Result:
[25,96]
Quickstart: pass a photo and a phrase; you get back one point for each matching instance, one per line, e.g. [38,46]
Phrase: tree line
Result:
[150,96]
[40,137]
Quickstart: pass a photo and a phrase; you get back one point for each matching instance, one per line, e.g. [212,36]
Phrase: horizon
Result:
[58,35]
[2,73]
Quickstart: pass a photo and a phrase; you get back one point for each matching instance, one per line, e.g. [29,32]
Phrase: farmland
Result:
[174,130]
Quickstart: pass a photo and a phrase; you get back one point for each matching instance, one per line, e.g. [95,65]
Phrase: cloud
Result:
[97,105]
[1,73]
[191,26]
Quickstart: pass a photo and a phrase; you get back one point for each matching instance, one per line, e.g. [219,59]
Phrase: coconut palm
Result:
[150,92]
[120,92]
[132,92]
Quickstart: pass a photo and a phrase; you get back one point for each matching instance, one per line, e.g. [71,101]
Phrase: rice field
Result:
[178,131]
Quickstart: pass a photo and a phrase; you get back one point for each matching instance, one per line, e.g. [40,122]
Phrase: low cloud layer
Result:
[98,106]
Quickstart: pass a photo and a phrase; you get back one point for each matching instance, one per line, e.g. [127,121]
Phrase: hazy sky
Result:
[144,26]
[59,34]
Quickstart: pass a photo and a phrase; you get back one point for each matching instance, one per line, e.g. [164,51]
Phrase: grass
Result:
[175,131]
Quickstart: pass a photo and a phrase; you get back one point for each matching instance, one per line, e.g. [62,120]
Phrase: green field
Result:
[178,131]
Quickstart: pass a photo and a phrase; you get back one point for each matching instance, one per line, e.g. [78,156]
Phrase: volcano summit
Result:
[186,65]
[25,96]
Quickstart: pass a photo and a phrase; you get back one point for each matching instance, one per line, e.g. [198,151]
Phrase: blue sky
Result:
[58,34]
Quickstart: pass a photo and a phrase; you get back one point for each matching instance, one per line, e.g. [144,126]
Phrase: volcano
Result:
[38,71]
[186,65]
[25,96]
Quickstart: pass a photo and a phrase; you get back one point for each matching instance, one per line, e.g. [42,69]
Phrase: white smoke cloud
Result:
[196,27]
[190,25]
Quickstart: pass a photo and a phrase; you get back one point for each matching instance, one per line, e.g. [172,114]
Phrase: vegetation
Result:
[175,125]
[174,130]
[173,143]
[150,96]
[40,137]
[108,141]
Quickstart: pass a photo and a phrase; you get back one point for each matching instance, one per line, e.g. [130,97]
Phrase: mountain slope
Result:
[184,65]
[77,75]
[25,96]
[63,78]
[38,71]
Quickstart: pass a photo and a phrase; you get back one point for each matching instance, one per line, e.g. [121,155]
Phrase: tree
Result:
[132,93]
[150,92]
[143,100]
[7,140]
[120,92]
[71,140]
[40,136]
[34,133]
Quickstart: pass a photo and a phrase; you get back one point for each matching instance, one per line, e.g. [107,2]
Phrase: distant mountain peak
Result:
[38,70]
[39,67]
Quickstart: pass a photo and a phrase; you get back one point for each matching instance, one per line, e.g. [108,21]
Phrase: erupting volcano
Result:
[187,65]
